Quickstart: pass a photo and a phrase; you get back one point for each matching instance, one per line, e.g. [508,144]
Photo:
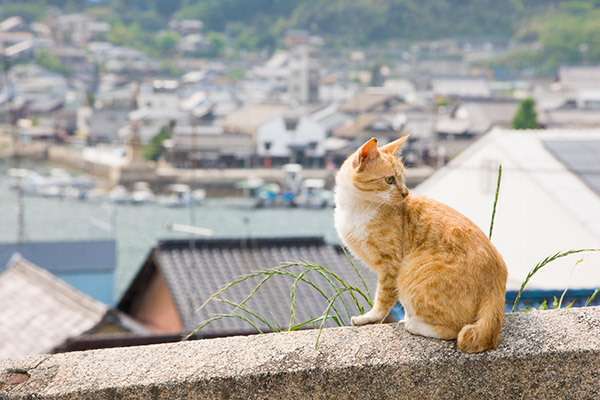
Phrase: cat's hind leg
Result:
[417,326]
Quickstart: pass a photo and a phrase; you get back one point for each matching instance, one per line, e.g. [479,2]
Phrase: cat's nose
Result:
[404,191]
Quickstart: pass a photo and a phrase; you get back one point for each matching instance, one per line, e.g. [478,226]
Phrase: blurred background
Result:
[151,151]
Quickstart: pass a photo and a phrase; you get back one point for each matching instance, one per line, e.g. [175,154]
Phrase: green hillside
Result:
[562,27]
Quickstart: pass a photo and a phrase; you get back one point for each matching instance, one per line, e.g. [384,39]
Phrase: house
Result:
[13,24]
[207,146]
[80,29]
[248,119]
[469,120]
[184,27]
[126,60]
[43,91]
[22,51]
[89,266]
[569,116]
[178,276]
[41,313]
[158,106]
[370,101]
[75,59]
[461,87]
[296,37]
[304,75]
[549,201]
[474,118]
[275,70]
[579,77]
[573,100]
[385,127]
[105,123]
[291,137]
[193,44]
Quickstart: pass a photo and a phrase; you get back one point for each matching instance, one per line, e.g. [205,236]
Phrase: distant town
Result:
[72,96]
[260,131]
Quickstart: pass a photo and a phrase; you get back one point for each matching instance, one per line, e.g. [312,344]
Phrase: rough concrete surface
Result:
[542,355]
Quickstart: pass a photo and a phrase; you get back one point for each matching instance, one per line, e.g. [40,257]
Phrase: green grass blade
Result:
[360,276]
[240,279]
[217,317]
[293,296]
[245,309]
[495,201]
[332,300]
[309,282]
[592,297]
[338,285]
[301,325]
[325,272]
[543,263]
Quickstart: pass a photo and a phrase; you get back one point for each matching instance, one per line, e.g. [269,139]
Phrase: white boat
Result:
[142,193]
[181,195]
[313,194]
[119,195]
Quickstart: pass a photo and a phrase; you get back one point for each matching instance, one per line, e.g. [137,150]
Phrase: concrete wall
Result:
[542,355]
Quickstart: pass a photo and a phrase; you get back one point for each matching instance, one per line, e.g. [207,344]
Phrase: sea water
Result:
[137,228]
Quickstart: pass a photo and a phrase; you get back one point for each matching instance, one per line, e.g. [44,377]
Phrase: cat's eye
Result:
[389,179]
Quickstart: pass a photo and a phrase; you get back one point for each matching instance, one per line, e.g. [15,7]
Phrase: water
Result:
[137,228]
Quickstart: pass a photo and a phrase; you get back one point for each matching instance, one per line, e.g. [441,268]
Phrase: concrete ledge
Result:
[547,354]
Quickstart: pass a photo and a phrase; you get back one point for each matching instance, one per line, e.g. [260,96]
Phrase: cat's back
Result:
[429,221]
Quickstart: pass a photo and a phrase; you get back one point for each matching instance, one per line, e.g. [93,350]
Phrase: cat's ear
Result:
[393,147]
[366,153]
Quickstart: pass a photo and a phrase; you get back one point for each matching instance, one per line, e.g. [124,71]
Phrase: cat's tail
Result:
[485,332]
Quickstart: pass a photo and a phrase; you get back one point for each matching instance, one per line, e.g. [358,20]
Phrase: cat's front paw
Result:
[365,319]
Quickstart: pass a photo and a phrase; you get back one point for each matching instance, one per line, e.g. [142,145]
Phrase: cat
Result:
[444,270]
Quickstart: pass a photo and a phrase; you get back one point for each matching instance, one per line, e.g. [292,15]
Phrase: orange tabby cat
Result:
[449,277]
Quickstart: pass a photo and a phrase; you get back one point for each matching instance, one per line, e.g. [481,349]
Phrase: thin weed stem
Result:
[540,265]
[495,200]
[337,283]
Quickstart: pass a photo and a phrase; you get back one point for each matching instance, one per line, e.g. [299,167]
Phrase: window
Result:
[291,124]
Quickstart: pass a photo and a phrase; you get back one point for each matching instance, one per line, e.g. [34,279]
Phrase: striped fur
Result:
[449,277]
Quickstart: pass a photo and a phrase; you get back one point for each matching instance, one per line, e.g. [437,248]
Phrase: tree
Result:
[166,8]
[47,60]
[153,149]
[217,44]
[167,41]
[525,117]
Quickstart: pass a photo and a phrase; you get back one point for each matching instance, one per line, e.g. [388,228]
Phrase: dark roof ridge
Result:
[243,243]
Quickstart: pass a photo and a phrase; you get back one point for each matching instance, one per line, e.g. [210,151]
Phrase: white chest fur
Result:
[352,216]
[352,222]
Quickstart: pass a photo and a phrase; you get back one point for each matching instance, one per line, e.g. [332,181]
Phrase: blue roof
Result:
[57,257]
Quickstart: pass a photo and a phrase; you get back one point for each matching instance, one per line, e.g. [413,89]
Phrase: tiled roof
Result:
[194,272]
[248,119]
[364,102]
[40,312]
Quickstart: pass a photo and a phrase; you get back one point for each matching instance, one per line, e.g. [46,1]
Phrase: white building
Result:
[158,106]
[291,138]
[304,76]
[549,201]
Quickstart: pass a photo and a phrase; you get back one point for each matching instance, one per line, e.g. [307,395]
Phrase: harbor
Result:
[136,228]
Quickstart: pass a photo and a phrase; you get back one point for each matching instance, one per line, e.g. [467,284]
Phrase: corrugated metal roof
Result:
[92,255]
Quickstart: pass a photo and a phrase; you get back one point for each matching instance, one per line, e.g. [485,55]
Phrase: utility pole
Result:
[16,145]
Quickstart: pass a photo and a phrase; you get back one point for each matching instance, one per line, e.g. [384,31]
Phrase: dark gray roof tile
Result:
[194,274]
